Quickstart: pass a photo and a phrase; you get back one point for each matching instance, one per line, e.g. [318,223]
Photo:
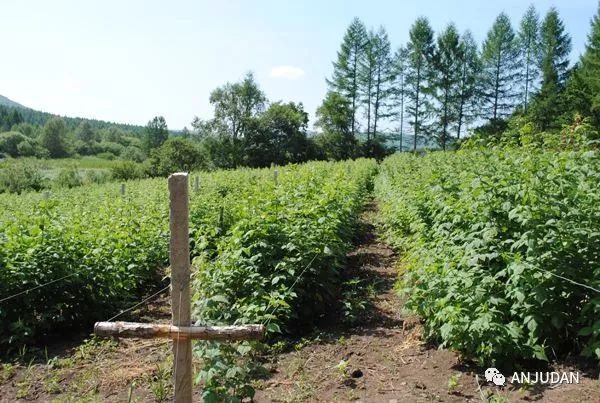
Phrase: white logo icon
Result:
[493,375]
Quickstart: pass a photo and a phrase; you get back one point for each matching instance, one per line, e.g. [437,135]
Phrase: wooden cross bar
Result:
[181,330]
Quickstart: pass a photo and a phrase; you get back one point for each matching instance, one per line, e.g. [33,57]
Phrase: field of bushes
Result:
[114,248]
[491,240]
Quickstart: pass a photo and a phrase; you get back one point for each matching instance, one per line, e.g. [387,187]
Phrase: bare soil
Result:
[380,357]
[383,358]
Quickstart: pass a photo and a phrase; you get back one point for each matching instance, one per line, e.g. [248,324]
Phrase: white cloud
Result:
[288,72]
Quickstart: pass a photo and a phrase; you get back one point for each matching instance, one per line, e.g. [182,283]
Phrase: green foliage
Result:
[484,234]
[277,136]
[9,117]
[133,153]
[20,177]
[276,258]
[156,133]
[520,131]
[235,104]
[528,43]
[115,247]
[175,155]
[500,58]
[582,94]
[555,46]
[354,299]
[334,118]
[447,59]
[69,177]
[85,133]
[127,170]
[420,48]
[53,138]
[16,144]
[345,77]
[377,74]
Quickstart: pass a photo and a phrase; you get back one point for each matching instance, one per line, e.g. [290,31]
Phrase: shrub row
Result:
[115,246]
[485,234]
[278,263]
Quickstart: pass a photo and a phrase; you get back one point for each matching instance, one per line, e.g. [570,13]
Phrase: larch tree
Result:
[367,70]
[383,78]
[399,91]
[346,69]
[446,83]
[420,50]
[470,71]
[500,70]
[528,42]
[555,46]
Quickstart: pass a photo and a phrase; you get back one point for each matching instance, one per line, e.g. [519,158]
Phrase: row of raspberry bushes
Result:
[279,264]
[483,233]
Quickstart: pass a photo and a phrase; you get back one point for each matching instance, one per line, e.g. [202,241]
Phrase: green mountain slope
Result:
[35,117]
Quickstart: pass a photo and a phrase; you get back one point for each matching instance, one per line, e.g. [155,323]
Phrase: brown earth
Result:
[380,357]
[383,358]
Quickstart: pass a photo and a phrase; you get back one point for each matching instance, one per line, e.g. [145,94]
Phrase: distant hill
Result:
[40,118]
[9,102]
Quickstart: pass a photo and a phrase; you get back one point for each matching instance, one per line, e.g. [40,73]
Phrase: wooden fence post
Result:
[180,330]
[197,184]
[122,189]
[179,257]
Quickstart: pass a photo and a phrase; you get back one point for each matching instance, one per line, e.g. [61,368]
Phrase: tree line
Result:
[433,87]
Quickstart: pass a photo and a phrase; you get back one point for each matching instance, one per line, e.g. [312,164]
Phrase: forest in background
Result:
[432,92]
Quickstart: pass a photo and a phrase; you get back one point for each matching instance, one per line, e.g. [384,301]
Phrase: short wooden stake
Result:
[276,177]
[46,195]
[122,189]
[197,184]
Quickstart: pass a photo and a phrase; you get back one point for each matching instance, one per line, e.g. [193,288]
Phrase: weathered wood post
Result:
[197,184]
[179,257]
[122,189]
[180,330]
[276,177]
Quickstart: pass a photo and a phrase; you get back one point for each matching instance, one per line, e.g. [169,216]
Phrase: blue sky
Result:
[128,61]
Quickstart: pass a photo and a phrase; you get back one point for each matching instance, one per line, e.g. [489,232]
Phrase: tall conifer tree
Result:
[470,72]
[399,93]
[420,49]
[500,72]
[528,40]
[555,46]
[345,79]
[446,83]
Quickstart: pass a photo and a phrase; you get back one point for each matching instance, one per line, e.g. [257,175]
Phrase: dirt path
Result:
[381,357]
